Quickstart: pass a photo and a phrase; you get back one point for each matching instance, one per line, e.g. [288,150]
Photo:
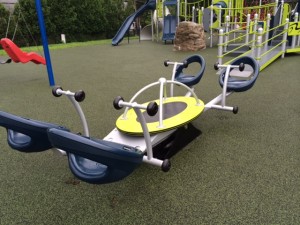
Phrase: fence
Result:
[264,49]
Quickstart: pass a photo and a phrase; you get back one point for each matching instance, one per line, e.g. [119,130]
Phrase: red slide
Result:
[17,55]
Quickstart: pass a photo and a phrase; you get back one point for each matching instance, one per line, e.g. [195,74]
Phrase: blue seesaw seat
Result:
[190,80]
[26,135]
[94,160]
[237,84]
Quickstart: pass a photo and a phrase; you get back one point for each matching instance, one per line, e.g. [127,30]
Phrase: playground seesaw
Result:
[140,131]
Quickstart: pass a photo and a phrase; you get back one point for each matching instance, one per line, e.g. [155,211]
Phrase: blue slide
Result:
[149,5]
[170,24]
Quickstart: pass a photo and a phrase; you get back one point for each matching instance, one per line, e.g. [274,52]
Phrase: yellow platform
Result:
[178,111]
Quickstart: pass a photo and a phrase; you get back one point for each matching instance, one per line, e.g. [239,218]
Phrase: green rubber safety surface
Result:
[242,169]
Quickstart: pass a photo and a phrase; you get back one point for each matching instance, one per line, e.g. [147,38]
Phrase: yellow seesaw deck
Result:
[177,111]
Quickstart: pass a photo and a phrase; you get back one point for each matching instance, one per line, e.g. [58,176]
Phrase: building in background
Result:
[9,4]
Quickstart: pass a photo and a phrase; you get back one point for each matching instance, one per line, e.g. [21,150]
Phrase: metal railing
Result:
[260,43]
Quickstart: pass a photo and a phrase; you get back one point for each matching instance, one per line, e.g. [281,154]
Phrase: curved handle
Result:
[151,108]
[79,96]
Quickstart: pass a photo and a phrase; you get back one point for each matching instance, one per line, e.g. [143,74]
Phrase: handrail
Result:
[257,42]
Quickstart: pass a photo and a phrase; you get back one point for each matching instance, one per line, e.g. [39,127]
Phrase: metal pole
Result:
[229,11]
[45,42]
[294,37]
[220,47]
[185,10]
[178,12]
[275,7]
[259,45]
[211,25]
[283,47]
[259,10]
[152,24]
[298,42]
[194,14]
[254,34]
[227,24]
[267,31]
[220,16]
[224,91]
[281,12]
[247,29]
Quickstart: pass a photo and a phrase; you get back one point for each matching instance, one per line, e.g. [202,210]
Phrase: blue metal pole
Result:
[38,6]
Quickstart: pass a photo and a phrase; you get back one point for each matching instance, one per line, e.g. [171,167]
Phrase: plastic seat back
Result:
[187,79]
[238,84]
[26,135]
[94,160]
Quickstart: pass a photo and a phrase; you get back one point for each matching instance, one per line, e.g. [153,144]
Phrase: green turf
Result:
[242,169]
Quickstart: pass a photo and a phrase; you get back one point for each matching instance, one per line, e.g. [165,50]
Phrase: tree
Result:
[63,17]
[28,31]
[115,14]
[4,18]
[89,16]
[78,19]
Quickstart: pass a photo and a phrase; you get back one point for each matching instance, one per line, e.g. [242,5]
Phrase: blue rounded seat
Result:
[26,135]
[187,79]
[94,160]
[240,84]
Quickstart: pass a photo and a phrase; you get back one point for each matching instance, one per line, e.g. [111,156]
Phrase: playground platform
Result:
[267,56]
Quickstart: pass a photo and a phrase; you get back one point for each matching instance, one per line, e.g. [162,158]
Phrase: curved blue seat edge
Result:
[26,135]
[94,160]
[239,85]
[190,80]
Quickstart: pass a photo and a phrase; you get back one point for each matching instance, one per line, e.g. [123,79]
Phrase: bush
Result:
[79,20]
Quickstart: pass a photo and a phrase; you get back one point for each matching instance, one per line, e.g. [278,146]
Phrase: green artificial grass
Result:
[64,46]
[60,46]
[242,169]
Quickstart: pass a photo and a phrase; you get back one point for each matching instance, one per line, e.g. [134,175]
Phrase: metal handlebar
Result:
[168,62]
[151,108]
[79,96]
[241,66]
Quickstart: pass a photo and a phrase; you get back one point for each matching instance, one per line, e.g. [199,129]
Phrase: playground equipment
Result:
[141,131]
[17,55]
[165,17]
[159,9]
[234,17]
[189,11]
[264,40]
[127,146]
[170,21]
[149,5]
[14,52]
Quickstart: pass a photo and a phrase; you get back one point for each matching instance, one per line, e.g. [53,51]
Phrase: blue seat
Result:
[94,160]
[26,135]
[238,84]
[190,80]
